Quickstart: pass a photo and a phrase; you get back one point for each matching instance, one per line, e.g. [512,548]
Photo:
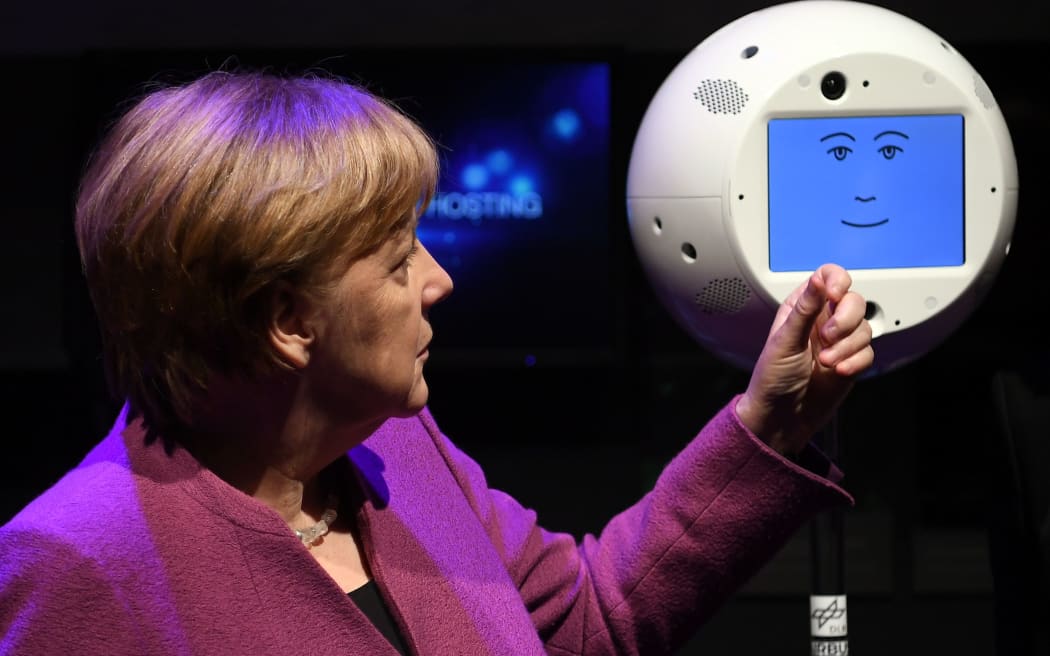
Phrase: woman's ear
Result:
[292,330]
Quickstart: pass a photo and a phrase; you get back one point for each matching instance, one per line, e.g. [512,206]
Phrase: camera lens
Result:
[833,85]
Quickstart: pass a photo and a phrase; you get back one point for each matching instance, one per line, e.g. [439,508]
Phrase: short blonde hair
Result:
[204,198]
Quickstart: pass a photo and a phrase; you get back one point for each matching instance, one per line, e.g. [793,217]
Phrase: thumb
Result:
[806,307]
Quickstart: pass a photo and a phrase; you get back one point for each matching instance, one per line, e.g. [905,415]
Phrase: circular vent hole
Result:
[689,252]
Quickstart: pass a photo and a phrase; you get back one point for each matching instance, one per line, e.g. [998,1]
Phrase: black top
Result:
[372,605]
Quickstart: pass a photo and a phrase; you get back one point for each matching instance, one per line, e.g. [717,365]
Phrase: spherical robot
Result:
[822,131]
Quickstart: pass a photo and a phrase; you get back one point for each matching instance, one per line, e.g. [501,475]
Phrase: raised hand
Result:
[819,342]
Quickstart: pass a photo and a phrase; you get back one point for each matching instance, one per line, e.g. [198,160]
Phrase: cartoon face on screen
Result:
[866,192]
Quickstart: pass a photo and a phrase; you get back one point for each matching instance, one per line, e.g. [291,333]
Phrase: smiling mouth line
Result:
[865,225]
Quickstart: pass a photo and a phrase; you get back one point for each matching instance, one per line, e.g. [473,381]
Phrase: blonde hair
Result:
[204,198]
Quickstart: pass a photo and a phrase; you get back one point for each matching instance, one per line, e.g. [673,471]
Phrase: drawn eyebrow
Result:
[899,134]
[843,134]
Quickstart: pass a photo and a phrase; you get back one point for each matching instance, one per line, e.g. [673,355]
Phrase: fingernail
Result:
[830,328]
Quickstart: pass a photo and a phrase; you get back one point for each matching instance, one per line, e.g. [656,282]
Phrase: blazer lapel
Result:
[440,574]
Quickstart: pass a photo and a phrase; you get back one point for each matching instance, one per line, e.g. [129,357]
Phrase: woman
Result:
[275,483]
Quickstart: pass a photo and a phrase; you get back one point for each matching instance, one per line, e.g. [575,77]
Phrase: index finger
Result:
[837,280]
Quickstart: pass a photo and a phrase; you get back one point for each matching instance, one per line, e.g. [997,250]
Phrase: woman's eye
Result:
[890,151]
[410,255]
[840,152]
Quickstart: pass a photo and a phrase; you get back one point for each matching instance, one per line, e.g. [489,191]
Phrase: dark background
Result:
[580,436]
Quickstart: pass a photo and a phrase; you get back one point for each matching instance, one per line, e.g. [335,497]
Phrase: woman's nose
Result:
[438,284]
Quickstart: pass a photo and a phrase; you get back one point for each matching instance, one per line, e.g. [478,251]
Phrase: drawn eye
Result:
[889,152]
[840,152]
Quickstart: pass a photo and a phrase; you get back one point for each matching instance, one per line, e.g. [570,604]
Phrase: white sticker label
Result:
[827,616]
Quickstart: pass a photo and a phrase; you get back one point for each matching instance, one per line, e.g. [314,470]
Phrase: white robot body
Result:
[719,211]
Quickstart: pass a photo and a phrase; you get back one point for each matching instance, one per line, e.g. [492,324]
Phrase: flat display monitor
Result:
[868,192]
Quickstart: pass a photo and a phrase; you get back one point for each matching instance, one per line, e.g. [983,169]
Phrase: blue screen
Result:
[871,192]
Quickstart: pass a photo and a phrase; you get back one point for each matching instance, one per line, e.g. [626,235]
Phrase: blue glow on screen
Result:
[499,161]
[475,176]
[867,192]
[521,185]
[566,123]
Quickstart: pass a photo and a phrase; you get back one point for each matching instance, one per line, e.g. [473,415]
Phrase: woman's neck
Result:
[262,439]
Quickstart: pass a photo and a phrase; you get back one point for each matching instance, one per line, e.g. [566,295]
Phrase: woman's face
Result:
[374,331]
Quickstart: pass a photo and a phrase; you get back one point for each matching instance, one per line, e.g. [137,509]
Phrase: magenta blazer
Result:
[137,551]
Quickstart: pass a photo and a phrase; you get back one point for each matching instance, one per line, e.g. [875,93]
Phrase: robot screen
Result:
[868,192]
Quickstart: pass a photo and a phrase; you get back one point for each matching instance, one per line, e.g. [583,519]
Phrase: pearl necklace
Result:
[310,535]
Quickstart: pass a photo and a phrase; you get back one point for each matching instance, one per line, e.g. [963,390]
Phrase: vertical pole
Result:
[827,601]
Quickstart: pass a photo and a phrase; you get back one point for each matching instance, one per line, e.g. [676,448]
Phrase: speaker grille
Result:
[721,96]
[723,296]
